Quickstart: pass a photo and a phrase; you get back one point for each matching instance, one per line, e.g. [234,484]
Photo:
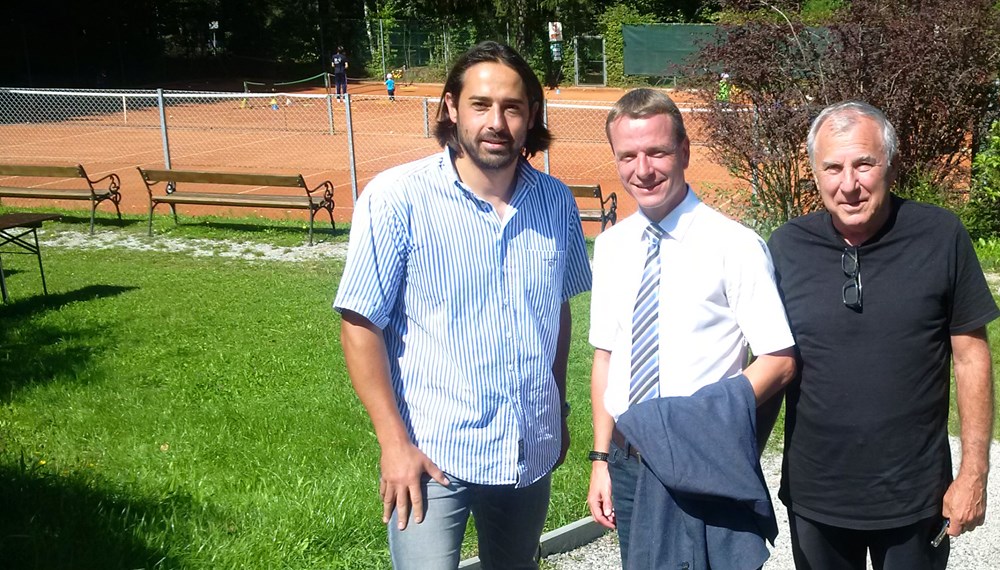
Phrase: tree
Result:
[928,64]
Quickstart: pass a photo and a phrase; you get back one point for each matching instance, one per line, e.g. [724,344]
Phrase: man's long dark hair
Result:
[446,131]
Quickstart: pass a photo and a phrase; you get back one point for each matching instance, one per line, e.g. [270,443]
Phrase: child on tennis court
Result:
[390,86]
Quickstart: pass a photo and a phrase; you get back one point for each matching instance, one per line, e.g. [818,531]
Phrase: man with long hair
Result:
[456,322]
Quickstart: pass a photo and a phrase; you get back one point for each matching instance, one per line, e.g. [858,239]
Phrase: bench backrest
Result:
[586,191]
[153,176]
[43,171]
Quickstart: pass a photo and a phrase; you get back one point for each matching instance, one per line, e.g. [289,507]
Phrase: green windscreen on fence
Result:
[662,49]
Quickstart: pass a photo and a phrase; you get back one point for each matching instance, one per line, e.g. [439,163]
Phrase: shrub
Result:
[928,64]
[981,214]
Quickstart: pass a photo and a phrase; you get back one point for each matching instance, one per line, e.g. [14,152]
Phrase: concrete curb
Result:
[563,539]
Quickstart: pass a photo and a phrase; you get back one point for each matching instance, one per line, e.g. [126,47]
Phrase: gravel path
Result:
[978,550]
[193,246]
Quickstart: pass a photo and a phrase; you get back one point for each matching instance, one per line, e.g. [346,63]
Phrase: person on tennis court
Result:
[680,293]
[340,64]
[390,86]
[456,322]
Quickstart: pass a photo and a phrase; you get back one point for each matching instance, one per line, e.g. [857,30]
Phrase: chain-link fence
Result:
[314,135]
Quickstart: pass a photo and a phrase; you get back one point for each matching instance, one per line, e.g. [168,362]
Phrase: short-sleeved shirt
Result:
[866,430]
[717,294]
[390,84]
[339,62]
[469,305]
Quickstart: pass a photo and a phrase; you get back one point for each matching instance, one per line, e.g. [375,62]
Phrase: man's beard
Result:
[497,160]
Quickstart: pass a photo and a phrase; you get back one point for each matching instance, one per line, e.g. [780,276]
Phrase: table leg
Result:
[3,283]
[38,252]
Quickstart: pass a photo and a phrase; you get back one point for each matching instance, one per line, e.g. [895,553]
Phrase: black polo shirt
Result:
[866,424]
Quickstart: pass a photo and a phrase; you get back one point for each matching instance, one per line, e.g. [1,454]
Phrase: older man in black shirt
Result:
[882,294]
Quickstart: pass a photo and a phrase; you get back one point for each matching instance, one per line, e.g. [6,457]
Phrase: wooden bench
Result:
[312,199]
[92,194]
[594,207]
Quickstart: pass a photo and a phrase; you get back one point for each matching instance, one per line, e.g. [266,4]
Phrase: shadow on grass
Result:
[32,352]
[68,522]
[321,231]
[19,309]
[102,220]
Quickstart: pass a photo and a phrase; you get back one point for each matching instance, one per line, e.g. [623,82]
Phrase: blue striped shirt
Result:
[469,307]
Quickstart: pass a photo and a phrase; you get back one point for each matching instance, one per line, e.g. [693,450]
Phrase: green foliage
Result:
[922,187]
[988,251]
[786,71]
[815,12]
[981,214]
[610,24]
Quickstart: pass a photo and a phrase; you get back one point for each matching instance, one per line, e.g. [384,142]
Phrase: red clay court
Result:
[299,132]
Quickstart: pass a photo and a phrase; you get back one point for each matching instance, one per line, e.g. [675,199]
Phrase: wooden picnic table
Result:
[13,229]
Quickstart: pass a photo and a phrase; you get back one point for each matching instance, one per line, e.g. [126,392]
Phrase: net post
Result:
[329,109]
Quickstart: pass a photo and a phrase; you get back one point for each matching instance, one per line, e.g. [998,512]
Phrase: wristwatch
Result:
[597,456]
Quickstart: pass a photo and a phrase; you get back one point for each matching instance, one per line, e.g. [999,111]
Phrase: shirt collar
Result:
[679,220]
[526,179]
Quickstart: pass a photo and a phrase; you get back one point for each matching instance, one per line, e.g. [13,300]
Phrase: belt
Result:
[619,439]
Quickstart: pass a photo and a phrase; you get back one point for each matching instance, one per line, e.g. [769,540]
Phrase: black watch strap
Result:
[597,456]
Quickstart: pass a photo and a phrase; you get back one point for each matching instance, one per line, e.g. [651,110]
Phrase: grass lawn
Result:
[163,410]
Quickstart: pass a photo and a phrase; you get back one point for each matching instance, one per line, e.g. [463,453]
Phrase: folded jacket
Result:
[701,501]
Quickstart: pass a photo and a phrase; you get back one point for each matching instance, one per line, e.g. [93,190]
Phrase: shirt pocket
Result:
[538,275]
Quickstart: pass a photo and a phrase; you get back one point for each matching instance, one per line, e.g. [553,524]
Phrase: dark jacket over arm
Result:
[701,498]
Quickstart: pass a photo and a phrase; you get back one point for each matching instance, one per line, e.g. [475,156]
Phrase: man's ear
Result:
[684,152]
[452,105]
[893,171]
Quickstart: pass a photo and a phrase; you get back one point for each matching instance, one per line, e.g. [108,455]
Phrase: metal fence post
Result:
[350,150]
[329,101]
[604,62]
[381,41]
[163,129]
[427,123]
[545,122]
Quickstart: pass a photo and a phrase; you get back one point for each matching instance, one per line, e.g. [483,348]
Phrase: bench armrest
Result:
[114,183]
[612,214]
[327,187]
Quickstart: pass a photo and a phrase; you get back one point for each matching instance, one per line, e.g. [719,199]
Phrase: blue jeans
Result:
[624,473]
[509,522]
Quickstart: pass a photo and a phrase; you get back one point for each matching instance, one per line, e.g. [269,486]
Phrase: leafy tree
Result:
[928,64]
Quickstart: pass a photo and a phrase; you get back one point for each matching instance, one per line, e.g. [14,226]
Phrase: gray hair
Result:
[642,103]
[843,116]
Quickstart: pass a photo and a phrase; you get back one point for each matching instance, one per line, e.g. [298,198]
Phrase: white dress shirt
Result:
[717,296]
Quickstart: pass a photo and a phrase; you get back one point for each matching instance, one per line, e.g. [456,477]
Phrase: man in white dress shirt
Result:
[714,297]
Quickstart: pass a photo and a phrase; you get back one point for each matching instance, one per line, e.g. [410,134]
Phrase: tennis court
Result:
[282,133]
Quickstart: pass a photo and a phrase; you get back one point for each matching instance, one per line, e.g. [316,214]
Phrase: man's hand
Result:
[403,467]
[965,504]
[599,496]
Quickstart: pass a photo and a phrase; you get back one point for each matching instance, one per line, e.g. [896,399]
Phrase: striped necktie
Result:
[645,329]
